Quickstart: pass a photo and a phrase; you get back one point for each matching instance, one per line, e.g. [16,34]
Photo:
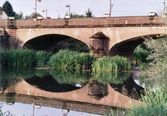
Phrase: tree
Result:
[18,15]
[35,15]
[89,13]
[7,7]
[73,15]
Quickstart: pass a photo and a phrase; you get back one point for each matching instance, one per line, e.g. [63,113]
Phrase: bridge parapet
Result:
[89,22]
[3,23]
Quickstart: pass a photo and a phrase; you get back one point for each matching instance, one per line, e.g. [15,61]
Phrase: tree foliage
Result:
[89,13]
[7,7]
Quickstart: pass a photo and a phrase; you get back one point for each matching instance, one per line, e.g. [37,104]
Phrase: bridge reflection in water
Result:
[83,99]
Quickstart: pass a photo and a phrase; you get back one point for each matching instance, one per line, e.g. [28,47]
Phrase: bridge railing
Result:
[87,22]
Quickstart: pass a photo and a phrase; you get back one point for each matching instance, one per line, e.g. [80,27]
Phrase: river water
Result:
[59,82]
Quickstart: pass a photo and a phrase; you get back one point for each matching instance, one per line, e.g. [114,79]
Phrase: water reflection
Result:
[95,87]
[48,83]
[23,109]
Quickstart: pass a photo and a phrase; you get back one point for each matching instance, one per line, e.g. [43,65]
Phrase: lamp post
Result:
[36,5]
[46,13]
[110,11]
[164,6]
[69,9]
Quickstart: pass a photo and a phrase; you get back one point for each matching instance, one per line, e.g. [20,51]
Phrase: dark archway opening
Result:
[126,48]
[55,42]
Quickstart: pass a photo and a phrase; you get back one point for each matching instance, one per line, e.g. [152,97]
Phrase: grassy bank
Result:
[154,104]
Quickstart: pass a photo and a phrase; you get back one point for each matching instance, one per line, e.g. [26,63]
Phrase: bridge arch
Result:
[54,42]
[127,47]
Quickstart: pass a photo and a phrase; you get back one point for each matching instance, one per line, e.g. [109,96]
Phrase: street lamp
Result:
[111,5]
[164,6]
[69,9]
[46,13]
[36,5]
[110,9]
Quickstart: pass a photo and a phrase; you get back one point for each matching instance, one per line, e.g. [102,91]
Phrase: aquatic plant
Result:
[23,58]
[16,58]
[71,61]
[111,64]
[42,58]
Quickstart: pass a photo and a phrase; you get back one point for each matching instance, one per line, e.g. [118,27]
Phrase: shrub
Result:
[111,64]
[42,58]
[71,61]
[154,104]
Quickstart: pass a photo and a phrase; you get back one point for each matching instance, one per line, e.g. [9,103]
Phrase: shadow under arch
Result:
[55,42]
[126,48]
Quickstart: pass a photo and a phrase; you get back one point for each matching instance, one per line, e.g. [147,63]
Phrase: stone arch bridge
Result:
[115,35]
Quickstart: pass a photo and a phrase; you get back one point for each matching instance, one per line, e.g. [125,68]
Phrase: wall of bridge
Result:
[117,29]
[115,34]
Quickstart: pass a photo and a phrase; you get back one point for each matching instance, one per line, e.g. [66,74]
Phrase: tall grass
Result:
[17,58]
[111,64]
[71,61]
[23,58]
[42,58]
[154,104]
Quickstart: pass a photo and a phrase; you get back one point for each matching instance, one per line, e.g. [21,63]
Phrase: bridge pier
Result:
[99,43]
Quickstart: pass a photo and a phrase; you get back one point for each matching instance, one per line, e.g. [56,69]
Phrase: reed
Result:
[42,58]
[111,64]
[71,61]
[17,58]
[23,58]
[155,104]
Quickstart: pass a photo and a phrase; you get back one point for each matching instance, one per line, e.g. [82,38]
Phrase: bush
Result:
[42,58]
[154,104]
[71,61]
[17,58]
[111,64]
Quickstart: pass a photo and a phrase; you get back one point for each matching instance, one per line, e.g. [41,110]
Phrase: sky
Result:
[57,8]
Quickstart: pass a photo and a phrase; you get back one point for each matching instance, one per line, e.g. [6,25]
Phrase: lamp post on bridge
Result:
[110,9]
[36,1]
[111,5]
[69,9]
[46,13]
[164,3]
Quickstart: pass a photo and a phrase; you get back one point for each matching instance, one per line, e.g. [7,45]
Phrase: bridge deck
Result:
[86,22]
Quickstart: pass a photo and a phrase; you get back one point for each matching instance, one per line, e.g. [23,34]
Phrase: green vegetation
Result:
[111,64]
[154,104]
[7,7]
[17,58]
[110,77]
[155,100]
[69,77]
[88,13]
[23,58]
[71,61]
[141,53]
[42,58]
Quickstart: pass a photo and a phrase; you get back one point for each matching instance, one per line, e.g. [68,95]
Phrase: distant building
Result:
[3,14]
